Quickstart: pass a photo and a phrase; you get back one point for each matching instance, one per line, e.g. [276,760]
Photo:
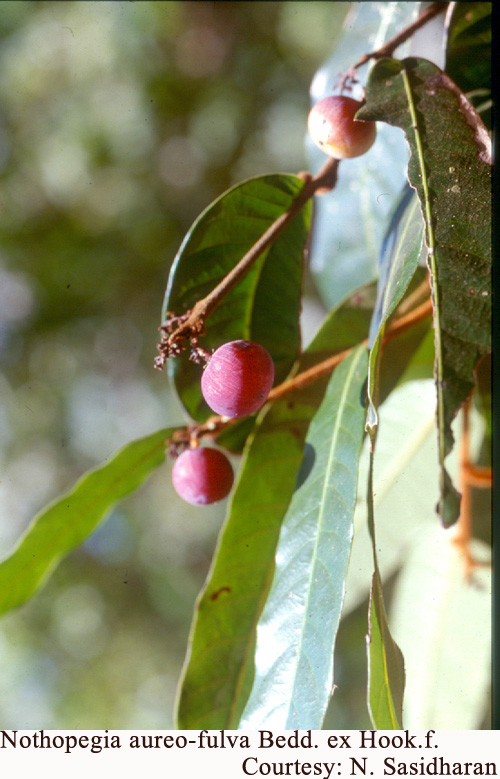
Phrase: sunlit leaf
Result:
[265,305]
[449,167]
[443,624]
[223,632]
[297,630]
[386,675]
[405,459]
[67,522]
[220,664]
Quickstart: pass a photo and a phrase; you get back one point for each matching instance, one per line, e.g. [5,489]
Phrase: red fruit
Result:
[333,128]
[202,475]
[238,378]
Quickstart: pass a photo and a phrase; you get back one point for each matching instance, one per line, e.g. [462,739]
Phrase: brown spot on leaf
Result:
[219,592]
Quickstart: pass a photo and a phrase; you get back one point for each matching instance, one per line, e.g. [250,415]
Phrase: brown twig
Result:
[397,327]
[215,424]
[192,324]
[469,476]
[388,48]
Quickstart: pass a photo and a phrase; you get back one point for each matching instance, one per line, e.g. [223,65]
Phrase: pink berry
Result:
[202,475]
[238,378]
[334,129]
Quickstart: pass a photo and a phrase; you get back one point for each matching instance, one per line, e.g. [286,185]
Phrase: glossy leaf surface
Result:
[405,459]
[265,305]
[450,170]
[220,665]
[297,630]
[67,522]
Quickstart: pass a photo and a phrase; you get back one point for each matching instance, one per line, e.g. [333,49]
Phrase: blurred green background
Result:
[119,123]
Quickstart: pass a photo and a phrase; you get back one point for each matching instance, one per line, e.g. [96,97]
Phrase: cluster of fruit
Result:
[236,382]
[239,375]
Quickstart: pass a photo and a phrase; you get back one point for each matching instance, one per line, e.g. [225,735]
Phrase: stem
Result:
[388,48]
[397,327]
[194,323]
[215,424]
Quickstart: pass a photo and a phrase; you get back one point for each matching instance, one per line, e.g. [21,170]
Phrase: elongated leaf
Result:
[399,258]
[297,630]
[67,522]
[219,670]
[386,676]
[219,667]
[405,459]
[449,167]
[443,624]
[265,305]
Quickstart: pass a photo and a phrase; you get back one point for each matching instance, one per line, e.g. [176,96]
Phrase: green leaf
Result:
[468,52]
[420,340]
[406,454]
[265,305]
[386,675]
[219,668]
[297,630]
[450,169]
[400,253]
[405,459]
[67,522]
[223,633]
[443,624]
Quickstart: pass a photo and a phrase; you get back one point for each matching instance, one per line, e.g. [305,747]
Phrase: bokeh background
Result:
[119,123]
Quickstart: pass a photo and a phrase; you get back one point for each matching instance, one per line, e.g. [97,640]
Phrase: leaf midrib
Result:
[321,517]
